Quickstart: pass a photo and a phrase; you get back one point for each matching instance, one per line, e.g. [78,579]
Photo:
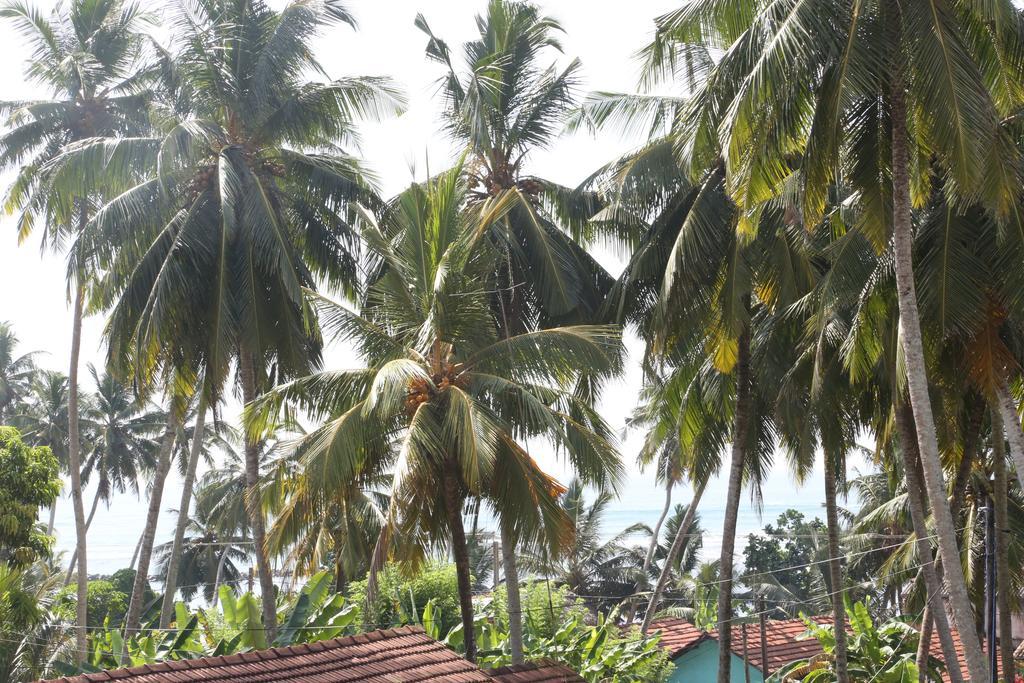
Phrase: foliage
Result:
[314,613]
[29,481]
[785,562]
[108,602]
[601,652]
[876,652]
[403,600]
[31,635]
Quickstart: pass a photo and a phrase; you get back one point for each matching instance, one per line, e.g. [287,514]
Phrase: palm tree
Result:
[44,420]
[86,54]
[246,171]
[314,526]
[209,557]
[601,570]
[200,438]
[866,68]
[122,446]
[16,373]
[446,401]
[501,105]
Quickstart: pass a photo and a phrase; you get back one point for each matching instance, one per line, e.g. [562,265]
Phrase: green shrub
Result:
[105,602]
[401,600]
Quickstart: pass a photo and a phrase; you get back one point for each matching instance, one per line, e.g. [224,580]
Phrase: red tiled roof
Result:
[787,641]
[402,655]
[541,671]
[784,639]
[678,635]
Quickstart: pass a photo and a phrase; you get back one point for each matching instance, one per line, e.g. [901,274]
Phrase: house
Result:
[695,652]
[401,655]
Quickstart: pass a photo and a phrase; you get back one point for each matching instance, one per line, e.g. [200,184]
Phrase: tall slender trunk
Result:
[75,466]
[88,523]
[917,384]
[252,499]
[340,577]
[174,559]
[163,466]
[515,603]
[460,554]
[135,555]
[53,518]
[1002,523]
[919,517]
[649,557]
[972,439]
[1011,423]
[924,643]
[740,438]
[220,572]
[835,568]
[678,543]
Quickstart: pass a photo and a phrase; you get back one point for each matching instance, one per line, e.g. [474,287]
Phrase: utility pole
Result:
[990,589]
[762,619]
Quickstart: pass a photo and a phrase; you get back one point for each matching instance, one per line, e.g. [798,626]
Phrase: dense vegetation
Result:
[825,253]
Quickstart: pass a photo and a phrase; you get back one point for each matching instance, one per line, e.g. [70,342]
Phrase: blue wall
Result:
[700,665]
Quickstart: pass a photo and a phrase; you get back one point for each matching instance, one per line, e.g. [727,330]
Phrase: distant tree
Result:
[785,561]
[29,480]
[16,372]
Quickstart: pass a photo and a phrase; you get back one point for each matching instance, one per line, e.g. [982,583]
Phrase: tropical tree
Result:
[859,80]
[44,420]
[209,558]
[601,569]
[122,446]
[445,400]
[241,199]
[503,103]
[16,373]
[314,526]
[86,53]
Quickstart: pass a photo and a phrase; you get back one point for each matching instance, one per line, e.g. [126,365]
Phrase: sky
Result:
[603,34]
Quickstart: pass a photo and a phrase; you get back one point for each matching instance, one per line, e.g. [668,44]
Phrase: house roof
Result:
[541,671]
[784,639]
[787,641]
[401,655]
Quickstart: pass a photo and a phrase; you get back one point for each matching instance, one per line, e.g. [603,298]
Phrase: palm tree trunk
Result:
[919,517]
[252,498]
[163,466]
[652,546]
[1011,422]
[340,578]
[75,467]
[174,559]
[88,523]
[460,553]
[1002,523]
[515,603]
[972,440]
[135,555]
[924,643]
[740,437]
[220,572]
[835,568]
[53,518]
[917,383]
[678,543]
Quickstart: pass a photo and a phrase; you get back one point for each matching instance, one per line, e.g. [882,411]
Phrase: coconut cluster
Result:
[420,390]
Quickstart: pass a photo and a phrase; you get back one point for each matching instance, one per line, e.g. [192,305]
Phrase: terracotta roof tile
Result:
[403,655]
[540,671]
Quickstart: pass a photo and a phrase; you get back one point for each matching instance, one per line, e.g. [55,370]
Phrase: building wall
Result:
[700,665]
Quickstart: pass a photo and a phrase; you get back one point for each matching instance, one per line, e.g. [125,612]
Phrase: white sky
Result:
[604,34]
